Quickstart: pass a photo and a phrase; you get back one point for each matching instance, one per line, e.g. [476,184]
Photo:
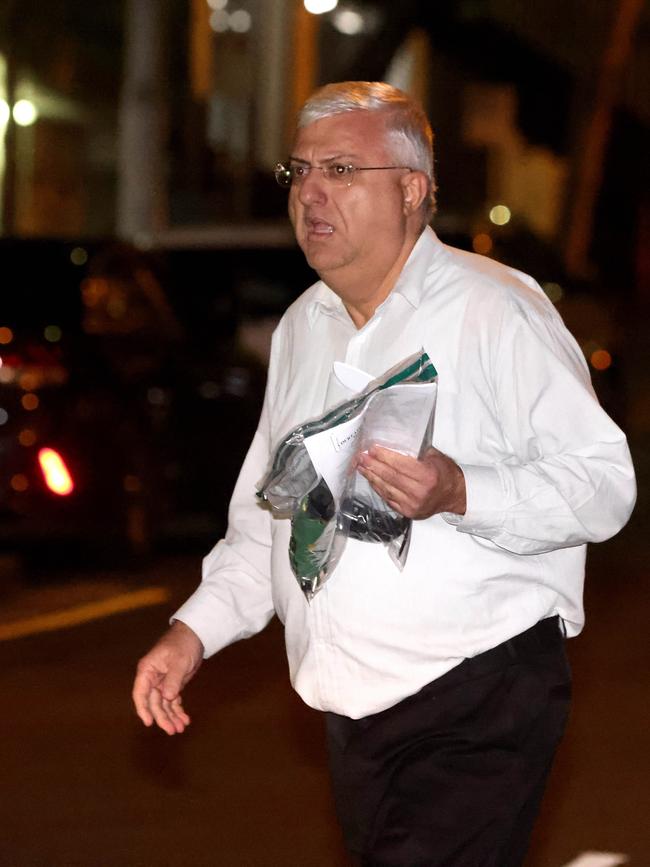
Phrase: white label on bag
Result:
[397,418]
[332,450]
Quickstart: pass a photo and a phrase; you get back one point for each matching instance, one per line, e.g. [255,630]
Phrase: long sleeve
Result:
[566,476]
[546,471]
[234,597]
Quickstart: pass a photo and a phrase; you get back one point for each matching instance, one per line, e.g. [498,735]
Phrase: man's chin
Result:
[321,260]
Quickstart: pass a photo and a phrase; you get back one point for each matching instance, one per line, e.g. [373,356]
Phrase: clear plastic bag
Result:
[310,478]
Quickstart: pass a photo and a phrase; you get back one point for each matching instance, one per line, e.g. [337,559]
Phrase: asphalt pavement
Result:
[85,785]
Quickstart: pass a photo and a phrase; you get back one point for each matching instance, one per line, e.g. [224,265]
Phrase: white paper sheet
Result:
[398,417]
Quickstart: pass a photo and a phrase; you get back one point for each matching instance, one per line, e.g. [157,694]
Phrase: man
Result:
[445,686]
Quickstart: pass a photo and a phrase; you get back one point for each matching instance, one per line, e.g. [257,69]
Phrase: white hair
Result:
[410,138]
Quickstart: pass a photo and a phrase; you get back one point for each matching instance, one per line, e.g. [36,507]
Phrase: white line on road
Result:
[598,859]
[78,614]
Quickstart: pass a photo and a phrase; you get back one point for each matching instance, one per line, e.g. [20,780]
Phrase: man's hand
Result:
[162,674]
[415,488]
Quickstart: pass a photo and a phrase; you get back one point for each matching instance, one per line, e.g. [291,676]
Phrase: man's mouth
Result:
[319,227]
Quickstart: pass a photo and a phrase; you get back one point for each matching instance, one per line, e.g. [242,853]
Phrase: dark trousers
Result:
[453,776]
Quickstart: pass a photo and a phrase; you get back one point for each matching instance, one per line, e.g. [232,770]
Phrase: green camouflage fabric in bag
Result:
[321,522]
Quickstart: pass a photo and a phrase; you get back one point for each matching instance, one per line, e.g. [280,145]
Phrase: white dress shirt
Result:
[546,472]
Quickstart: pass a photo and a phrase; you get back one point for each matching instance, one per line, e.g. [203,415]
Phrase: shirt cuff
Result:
[485,502]
[200,615]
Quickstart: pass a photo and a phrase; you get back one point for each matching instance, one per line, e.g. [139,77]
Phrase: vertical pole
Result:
[8,140]
[142,181]
[200,50]
[272,82]
[304,72]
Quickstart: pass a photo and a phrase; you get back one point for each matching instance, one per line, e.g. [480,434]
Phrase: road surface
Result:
[85,785]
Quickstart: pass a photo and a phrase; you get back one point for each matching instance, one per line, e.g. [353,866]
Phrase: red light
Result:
[601,359]
[55,472]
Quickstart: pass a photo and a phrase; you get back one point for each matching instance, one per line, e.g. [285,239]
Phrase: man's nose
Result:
[312,188]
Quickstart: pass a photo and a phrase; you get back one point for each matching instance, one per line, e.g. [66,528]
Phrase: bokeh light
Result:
[482,243]
[30,401]
[27,437]
[6,335]
[28,381]
[132,484]
[52,333]
[500,215]
[319,7]
[240,21]
[156,396]
[25,112]
[19,482]
[349,22]
[55,472]
[79,256]
[600,359]
[220,21]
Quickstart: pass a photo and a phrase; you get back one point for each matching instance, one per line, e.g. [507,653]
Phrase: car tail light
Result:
[55,472]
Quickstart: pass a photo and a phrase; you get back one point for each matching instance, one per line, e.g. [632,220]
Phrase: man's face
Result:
[355,233]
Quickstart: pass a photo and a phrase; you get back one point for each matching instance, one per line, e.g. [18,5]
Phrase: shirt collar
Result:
[409,283]
[325,301]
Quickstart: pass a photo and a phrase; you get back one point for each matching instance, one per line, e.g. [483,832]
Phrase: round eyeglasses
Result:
[339,174]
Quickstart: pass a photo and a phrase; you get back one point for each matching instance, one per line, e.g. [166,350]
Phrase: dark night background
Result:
[145,259]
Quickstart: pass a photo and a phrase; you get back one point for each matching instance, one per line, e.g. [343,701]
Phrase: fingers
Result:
[168,715]
[172,683]
[395,464]
[152,706]
[416,488]
[142,687]
[395,479]
[179,711]
[391,495]
[162,674]
[156,696]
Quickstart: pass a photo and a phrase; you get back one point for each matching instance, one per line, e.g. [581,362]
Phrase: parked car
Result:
[127,395]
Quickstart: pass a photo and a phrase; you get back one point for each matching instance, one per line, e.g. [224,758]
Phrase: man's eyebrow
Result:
[346,157]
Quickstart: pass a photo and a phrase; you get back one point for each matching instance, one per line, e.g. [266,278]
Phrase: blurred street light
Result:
[500,215]
[24,112]
[319,7]
[349,22]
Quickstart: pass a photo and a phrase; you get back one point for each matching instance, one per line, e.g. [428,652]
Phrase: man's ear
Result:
[415,187]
